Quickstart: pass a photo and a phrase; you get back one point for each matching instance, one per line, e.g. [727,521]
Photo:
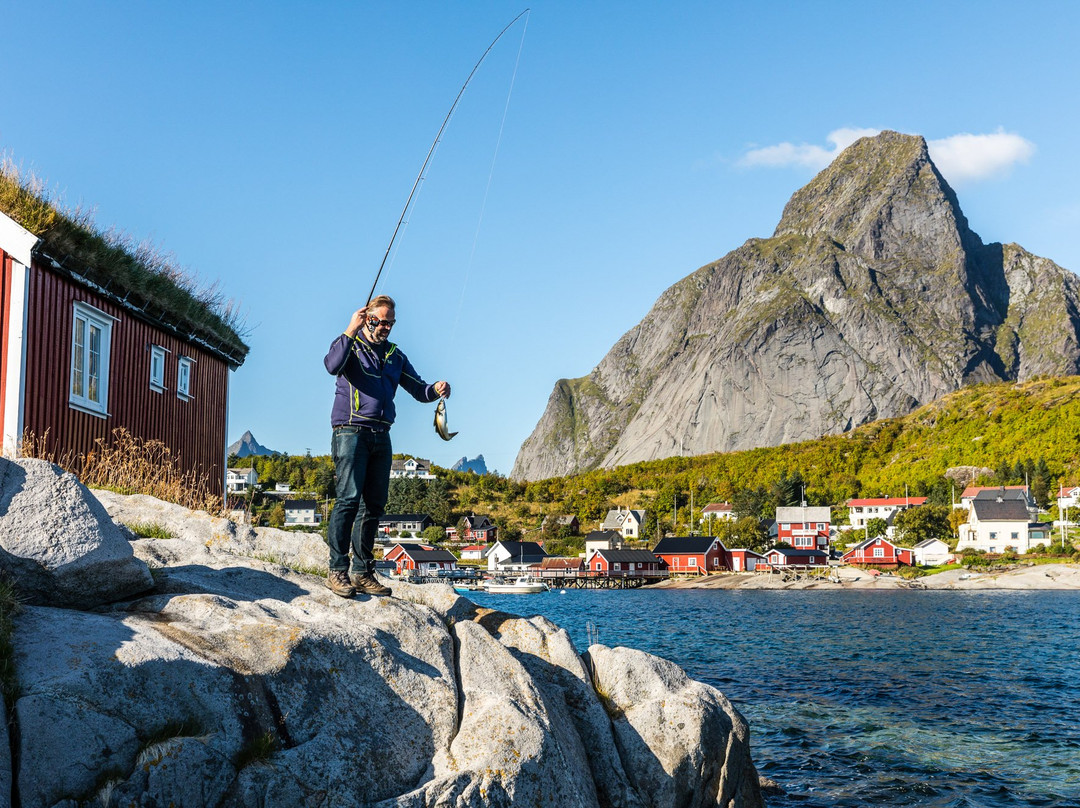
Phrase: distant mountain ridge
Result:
[248,446]
[872,297]
[478,465]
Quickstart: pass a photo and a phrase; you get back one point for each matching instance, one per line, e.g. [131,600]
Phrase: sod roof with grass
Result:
[138,277]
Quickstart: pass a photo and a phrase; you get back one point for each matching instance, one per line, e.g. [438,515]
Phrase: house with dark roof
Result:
[514,555]
[415,523]
[880,553]
[625,564]
[411,558]
[602,539]
[691,555]
[627,521]
[563,520]
[477,529]
[781,557]
[97,346]
[1001,523]
[302,512]
[411,468]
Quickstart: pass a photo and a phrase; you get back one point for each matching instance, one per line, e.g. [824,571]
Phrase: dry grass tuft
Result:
[130,465]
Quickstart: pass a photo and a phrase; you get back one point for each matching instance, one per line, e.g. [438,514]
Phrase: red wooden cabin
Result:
[879,552]
[691,555]
[82,357]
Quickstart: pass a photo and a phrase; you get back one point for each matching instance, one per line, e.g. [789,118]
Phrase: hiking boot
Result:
[367,584]
[337,581]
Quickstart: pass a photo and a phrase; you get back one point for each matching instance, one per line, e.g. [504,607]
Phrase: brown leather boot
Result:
[368,584]
[337,581]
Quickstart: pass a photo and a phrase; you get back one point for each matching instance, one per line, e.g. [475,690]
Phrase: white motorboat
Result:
[519,586]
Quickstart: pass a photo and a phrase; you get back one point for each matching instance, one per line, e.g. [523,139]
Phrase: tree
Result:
[748,532]
[434,533]
[876,527]
[914,525]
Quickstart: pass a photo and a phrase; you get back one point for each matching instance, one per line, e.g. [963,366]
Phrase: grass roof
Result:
[138,275]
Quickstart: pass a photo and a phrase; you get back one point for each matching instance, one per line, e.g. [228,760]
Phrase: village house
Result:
[1001,524]
[602,540]
[477,529]
[411,468]
[560,567]
[514,555]
[781,557]
[804,528]
[239,481]
[301,512]
[879,552]
[628,522]
[625,564]
[995,492]
[420,559]
[861,511]
[90,351]
[473,552]
[691,555]
[932,553]
[742,560]
[716,511]
[415,523]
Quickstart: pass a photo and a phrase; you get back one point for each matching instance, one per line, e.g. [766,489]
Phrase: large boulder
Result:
[242,682]
[57,543]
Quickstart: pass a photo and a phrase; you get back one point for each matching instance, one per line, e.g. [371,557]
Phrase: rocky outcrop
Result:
[58,542]
[242,682]
[872,297]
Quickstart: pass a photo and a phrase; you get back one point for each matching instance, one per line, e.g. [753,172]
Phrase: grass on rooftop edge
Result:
[116,261]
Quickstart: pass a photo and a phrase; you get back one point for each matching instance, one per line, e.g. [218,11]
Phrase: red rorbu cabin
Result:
[879,552]
[88,349]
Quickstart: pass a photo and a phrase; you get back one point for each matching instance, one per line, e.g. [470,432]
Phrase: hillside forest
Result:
[1003,434]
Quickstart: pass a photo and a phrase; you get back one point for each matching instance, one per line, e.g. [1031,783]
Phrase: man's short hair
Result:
[380,301]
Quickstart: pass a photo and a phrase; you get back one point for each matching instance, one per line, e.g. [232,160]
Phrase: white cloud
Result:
[964,158]
[815,157]
[960,158]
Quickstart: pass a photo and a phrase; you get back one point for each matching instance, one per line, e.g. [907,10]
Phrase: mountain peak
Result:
[248,446]
[880,192]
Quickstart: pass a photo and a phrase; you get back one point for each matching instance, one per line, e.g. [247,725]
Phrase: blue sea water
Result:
[855,698]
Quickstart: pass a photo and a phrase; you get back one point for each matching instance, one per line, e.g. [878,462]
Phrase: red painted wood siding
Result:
[194,430]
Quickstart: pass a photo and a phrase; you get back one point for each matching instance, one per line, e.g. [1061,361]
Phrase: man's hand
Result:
[442,389]
[357,322]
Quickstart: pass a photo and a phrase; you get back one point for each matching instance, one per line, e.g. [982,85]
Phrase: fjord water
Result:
[855,698]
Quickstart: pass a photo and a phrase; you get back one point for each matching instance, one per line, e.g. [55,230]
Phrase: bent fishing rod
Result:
[431,151]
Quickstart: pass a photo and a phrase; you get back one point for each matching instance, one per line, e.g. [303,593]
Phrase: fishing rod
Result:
[431,151]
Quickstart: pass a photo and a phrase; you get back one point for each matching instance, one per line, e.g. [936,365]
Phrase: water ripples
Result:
[935,699]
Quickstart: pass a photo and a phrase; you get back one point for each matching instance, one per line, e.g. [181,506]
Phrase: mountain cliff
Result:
[871,298]
[247,446]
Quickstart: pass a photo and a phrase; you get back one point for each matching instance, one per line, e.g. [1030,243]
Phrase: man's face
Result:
[378,331]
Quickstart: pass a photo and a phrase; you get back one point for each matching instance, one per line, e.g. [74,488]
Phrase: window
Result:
[183,377]
[91,336]
[693,562]
[879,552]
[803,541]
[993,534]
[1014,535]
[157,368]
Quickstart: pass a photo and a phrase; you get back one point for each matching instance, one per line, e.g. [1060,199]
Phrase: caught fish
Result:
[440,421]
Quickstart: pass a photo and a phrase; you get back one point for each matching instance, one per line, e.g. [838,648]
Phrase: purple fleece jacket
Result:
[367,379]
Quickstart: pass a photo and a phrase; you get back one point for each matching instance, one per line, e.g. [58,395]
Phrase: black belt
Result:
[361,426]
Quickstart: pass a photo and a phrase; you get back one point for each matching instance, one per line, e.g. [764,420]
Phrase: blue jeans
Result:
[362,461]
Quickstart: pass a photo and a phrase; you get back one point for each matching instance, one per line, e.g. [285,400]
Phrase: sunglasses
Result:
[375,321]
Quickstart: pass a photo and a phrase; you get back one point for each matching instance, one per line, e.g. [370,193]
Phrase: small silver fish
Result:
[440,421]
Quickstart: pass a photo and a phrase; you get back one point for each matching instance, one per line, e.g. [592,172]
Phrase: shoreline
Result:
[1038,577]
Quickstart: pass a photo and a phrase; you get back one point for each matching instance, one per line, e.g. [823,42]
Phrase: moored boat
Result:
[519,586]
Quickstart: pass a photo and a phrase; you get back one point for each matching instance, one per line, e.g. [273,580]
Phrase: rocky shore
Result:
[210,668]
[1039,576]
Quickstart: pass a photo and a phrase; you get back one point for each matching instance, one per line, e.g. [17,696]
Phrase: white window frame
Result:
[879,552]
[81,359]
[158,355]
[184,369]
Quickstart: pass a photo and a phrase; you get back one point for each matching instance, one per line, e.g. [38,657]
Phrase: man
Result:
[369,369]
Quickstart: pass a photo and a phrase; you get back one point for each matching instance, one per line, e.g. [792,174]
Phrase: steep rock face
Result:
[871,298]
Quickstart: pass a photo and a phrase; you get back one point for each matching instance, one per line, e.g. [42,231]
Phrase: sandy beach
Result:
[1041,576]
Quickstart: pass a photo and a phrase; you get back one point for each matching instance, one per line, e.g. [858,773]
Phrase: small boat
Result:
[519,586]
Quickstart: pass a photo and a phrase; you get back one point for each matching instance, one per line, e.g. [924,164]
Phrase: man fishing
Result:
[369,369]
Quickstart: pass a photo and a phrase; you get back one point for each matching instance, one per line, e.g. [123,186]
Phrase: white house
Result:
[410,468]
[719,511]
[628,522]
[602,540]
[302,512]
[473,552]
[861,511]
[238,481]
[932,553]
[514,555]
[1001,524]
[994,492]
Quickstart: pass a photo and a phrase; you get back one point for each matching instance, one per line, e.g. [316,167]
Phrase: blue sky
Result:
[271,146]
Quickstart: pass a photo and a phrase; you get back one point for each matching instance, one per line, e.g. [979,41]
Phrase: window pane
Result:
[94,380]
[78,367]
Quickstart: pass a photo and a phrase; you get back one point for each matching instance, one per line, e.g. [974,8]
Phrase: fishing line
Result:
[487,188]
[420,177]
